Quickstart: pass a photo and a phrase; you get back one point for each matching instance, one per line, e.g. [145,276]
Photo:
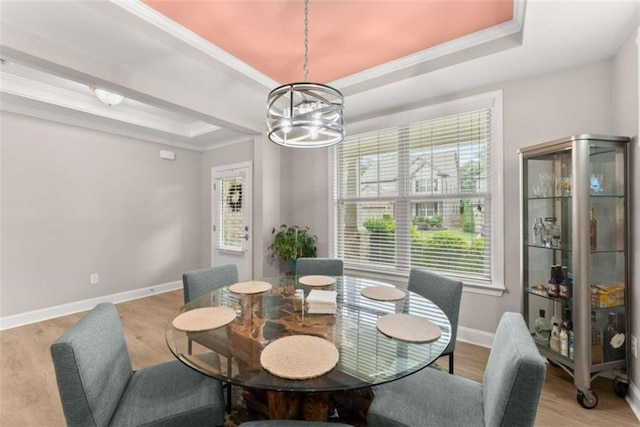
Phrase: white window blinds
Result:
[229,218]
[417,195]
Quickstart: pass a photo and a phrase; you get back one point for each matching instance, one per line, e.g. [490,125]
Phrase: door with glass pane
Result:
[231,217]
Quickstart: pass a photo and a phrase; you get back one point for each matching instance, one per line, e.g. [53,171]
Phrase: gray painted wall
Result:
[625,88]
[77,201]
[267,210]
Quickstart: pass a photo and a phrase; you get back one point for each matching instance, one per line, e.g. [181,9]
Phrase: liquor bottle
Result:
[556,320]
[607,335]
[538,232]
[548,221]
[619,341]
[542,330]
[554,286]
[593,231]
[564,342]
[552,232]
[571,345]
[554,340]
[555,236]
[568,323]
[596,341]
[565,288]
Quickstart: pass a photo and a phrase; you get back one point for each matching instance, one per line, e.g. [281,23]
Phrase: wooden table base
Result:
[278,405]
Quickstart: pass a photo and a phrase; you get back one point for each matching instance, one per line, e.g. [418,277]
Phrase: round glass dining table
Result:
[366,356]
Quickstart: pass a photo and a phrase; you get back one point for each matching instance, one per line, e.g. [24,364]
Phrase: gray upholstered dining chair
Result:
[199,282]
[99,388]
[443,292]
[196,283]
[319,266]
[507,396]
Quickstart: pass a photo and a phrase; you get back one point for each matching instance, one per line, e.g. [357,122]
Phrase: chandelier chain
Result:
[306,39]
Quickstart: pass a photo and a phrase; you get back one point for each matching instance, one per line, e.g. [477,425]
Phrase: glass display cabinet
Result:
[574,256]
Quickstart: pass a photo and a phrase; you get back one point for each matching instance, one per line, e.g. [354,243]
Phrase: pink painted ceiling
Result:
[345,37]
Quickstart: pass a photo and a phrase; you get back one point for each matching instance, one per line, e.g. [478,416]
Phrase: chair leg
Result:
[451,363]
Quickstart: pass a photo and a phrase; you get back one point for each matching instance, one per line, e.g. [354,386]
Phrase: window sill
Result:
[400,279]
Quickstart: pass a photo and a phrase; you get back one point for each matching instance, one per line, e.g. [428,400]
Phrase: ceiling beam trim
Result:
[36,52]
[490,40]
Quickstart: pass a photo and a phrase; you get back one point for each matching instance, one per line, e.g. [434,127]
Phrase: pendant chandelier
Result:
[305,115]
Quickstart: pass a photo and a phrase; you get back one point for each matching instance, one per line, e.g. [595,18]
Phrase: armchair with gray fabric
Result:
[98,386]
[196,283]
[319,266]
[507,396]
[443,292]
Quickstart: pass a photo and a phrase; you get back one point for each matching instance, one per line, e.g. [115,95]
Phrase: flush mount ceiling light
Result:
[305,115]
[107,97]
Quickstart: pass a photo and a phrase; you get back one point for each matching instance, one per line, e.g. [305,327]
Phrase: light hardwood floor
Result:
[29,394]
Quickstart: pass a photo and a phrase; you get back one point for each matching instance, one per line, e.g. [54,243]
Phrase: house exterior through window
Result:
[421,194]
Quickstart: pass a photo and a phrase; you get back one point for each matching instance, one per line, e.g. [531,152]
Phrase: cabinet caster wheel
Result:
[587,401]
[620,387]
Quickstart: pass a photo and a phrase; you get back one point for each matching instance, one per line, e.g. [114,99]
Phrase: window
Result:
[424,192]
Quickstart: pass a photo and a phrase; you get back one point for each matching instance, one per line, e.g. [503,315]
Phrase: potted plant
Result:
[293,242]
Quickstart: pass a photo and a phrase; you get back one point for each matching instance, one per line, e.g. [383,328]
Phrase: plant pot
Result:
[292,266]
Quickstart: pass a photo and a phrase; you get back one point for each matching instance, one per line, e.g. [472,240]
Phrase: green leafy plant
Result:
[435,221]
[386,224]
[293,242]
[468,221]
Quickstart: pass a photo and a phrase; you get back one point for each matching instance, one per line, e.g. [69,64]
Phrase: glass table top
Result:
[367,357]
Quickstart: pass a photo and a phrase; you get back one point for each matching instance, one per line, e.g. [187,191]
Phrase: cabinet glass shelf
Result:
[566,249]
[595,196]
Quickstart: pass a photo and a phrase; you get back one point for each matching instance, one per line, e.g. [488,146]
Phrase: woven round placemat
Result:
[299,357]
[317,280]
[203,319]
[250,287]
[382,293]
[407,327]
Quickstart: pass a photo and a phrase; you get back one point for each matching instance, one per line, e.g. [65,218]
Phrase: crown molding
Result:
[438,52]
[155,18]
[88,123]
[390,72]
[213,146]
[199,128]
[41,92]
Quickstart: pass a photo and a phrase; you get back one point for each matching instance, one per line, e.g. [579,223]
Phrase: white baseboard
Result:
[475,336]
[633,399]
[21,319]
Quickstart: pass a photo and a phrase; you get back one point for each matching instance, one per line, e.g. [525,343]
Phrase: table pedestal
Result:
[279,405]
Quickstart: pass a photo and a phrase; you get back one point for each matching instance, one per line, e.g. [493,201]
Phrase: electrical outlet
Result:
[94,279]
[634,346]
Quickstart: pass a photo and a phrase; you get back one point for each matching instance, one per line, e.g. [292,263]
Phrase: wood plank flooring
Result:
[29,394]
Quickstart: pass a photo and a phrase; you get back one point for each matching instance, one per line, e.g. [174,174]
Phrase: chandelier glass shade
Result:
[305,115]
